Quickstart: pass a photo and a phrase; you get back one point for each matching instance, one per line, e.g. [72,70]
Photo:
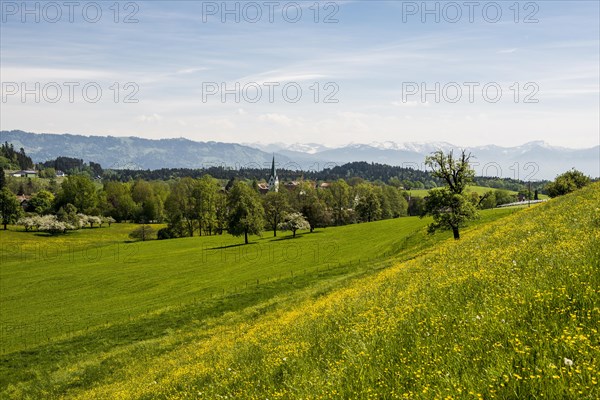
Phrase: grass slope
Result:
[510,312]
[67,300]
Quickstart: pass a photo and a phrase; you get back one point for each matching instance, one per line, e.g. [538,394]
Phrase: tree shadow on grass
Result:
[231,245]
[298,236]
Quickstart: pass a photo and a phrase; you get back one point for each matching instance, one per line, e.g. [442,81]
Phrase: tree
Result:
[68,215]
[397,203]
[221,212]
[310,204]
[245,211]
[10,209]
[449,206]
[275,205]
[449,210]
[488,200]
[108,220]
[567,183]
[504,197]
[41,202]
[143,233]
[293,222]
[52,225]
[368,203]
[416,205]
[457,174]
[143,195]
[2,178]
[205,193]
[119,203]
[340,192]
[181,207]
[89,219]
[80,191]
[29,223]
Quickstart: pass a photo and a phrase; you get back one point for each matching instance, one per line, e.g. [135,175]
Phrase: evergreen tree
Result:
[2,178]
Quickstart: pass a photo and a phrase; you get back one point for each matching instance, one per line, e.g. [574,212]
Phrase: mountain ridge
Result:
[530,161]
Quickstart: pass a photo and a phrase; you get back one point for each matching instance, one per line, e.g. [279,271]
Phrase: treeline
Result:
[13,159]
[354,172]
[208,206]
[203,206]
[71,165]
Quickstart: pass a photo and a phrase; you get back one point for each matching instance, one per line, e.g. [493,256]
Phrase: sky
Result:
[333,73]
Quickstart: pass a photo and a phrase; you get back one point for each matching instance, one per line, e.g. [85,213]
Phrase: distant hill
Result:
[531,161]
[137,153]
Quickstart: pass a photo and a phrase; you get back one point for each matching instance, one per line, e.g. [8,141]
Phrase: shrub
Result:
[165,233]
[144,232]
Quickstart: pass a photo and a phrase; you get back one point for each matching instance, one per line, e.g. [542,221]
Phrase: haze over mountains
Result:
[535,160]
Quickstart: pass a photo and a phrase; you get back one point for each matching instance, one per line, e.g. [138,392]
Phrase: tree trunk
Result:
[5,225]
[455,232]
[293,233]
[246,236]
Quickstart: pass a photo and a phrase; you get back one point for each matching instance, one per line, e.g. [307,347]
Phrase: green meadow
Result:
[370,311]
[67,297]
[480,190]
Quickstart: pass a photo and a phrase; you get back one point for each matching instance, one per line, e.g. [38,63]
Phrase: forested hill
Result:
[406,177]
[137,153]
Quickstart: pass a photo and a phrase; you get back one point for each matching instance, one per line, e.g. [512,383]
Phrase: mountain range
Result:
[531,161]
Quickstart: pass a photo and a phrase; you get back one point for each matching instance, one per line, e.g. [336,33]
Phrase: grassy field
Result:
[68,298]
[509,312]
[477,189]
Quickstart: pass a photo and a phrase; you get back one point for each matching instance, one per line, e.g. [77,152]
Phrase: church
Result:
[273,183]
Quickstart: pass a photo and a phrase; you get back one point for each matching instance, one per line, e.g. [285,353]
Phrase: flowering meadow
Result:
[511,311]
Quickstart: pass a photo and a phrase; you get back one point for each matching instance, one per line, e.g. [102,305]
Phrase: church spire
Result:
[273,173]
[273,179]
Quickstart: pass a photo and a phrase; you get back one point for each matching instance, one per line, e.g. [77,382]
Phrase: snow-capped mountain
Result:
[308,148]
[531,161]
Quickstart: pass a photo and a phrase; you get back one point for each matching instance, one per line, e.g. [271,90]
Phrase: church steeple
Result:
[273,179]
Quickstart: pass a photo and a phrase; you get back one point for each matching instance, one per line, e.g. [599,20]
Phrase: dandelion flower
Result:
[568,362]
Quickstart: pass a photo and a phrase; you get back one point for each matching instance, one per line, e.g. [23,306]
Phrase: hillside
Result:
[510,311]
[71,299]
[532,161]
[137,153]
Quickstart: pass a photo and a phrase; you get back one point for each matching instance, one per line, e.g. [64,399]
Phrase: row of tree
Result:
[353,173]
[202,206]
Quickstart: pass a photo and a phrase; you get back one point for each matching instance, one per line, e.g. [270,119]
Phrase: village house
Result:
[26,173]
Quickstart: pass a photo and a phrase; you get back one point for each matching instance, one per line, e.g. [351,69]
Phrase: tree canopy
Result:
[567,183]
[449,206]
[245,211]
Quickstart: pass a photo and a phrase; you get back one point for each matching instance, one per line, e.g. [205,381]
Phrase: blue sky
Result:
[366,61]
